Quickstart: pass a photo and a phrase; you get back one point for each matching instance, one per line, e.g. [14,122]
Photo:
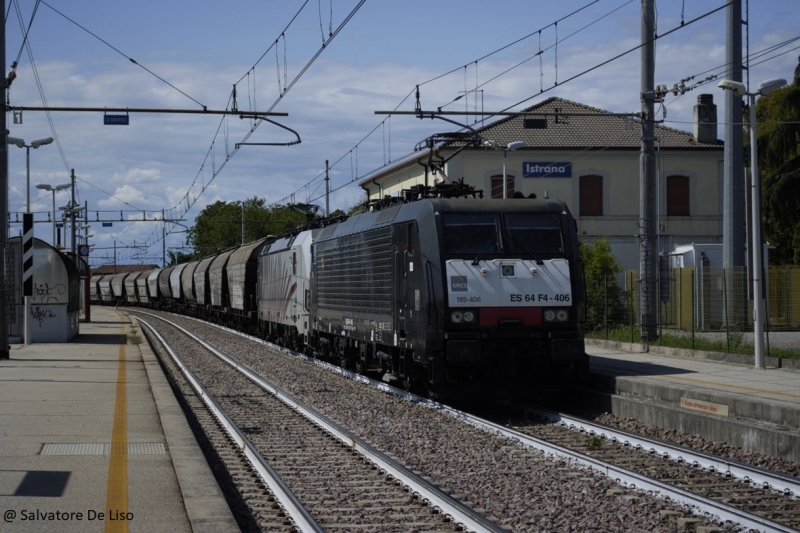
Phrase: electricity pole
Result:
[4,250]
[733,213]
[327,190]
[647,179]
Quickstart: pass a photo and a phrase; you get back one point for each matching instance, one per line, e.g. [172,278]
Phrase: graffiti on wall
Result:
[41,314]
[44,293]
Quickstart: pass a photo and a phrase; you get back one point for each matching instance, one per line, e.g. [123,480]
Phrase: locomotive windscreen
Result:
[535,233]
[472,233]
[493,233]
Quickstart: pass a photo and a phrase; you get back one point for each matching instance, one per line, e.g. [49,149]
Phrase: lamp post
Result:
[53,188]
[764,88]
[511,147]
[35,144]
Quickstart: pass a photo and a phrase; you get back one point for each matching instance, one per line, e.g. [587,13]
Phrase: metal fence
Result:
[705,299]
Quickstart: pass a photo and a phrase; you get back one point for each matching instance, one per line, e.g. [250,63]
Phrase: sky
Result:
[168,54]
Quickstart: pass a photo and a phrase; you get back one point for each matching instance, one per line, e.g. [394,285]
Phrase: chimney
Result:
[705,120]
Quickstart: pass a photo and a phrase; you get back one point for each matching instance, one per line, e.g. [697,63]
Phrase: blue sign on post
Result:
[116,120]
[547,170]
[107,224]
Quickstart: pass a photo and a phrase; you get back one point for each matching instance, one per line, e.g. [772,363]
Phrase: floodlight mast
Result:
[511,147]
[53,189]
[764,88]
[21,144]
[4,349]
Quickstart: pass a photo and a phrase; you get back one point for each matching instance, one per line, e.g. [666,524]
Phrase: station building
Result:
[589,158]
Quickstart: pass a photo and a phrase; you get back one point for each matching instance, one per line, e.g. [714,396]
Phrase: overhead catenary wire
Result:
[286,88]
[216,169]
[308,187]
[541,52]
[49,116]
[26,46]
[120,52]
[683,23]
[456,69]
[225,131]
[633,49]
[190,197]
[683,88]
[25,31]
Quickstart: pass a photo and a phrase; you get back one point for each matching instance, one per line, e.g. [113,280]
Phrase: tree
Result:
[603,296]
[778,119]
[219,225]
[176,258]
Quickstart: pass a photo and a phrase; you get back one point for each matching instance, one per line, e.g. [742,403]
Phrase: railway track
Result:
[754,490]
[324,477]
[525,481]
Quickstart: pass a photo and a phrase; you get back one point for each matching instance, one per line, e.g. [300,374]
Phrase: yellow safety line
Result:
[117,491]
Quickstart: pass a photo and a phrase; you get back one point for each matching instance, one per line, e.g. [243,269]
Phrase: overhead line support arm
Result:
[143,110]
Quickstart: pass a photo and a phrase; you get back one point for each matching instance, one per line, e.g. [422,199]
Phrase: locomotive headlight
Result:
[556,315]
[463,316]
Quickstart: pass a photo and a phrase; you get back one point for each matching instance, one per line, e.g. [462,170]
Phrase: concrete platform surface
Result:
[755,409]
[93,439]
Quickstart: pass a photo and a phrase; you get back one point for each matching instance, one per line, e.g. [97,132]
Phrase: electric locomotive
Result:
[436,290]
[455,296]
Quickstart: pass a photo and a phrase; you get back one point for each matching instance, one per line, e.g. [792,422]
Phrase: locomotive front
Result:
[513,298]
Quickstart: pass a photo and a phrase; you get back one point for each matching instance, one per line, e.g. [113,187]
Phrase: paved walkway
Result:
[92,439]
[756,409]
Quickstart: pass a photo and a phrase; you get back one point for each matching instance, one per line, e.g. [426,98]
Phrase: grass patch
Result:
[594,443]
[686,342]
[134,338]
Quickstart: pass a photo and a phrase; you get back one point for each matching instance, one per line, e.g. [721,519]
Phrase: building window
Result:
[591,196]
[497,186]
[678,196]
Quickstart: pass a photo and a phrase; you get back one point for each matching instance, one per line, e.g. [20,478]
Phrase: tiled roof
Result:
[577,132]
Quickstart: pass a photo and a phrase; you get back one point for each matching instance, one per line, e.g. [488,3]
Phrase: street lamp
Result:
[21,144]
[53,188]
[512,146]
[764,88]
[35,144]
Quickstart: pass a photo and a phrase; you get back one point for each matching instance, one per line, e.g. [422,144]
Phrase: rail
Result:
[460,513]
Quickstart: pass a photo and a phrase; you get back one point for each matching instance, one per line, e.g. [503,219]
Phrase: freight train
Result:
[437,290]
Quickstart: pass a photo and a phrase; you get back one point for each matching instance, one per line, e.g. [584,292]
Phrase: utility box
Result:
[704,255]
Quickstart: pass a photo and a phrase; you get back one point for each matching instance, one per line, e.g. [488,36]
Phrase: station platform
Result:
[718,396]
[93,439]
